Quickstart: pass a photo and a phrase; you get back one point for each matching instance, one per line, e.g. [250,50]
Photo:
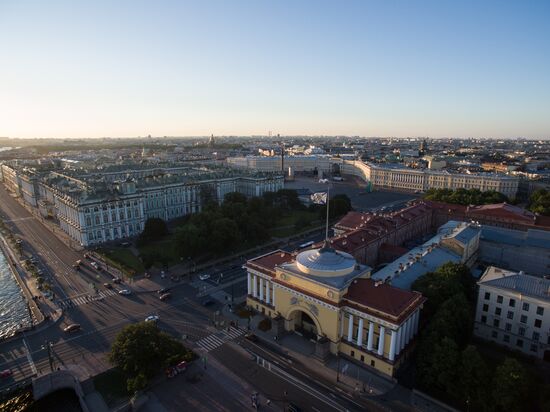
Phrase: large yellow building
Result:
[325,295]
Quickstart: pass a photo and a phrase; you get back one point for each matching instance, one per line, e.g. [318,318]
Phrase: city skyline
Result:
[245,68]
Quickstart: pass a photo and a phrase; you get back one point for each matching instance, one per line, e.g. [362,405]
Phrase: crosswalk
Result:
[216,340]
[81,300]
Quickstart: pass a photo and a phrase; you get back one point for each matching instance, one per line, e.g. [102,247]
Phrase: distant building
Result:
[513,310]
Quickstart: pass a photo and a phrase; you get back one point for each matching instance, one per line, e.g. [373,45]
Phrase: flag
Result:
[319,198]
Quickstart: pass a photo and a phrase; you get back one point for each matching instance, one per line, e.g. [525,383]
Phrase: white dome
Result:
[325,262]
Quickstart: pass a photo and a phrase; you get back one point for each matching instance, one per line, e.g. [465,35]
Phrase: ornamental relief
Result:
[310,306]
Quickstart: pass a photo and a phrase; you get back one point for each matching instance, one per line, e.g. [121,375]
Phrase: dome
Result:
[325,262]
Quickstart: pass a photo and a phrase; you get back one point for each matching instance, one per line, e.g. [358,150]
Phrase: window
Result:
[494,334]
[519,343]
[362,358]
[523,319]
[485,308]
[496,323]
[498,311]
[506,338]
[533,347]
[499,299]
[512,303]
[521,331]
[526,306]
[536,336]
[510,315]
[483,319]
[508,327]
[540,310]
[487,296]
[352,354]
[538,323]
[372,363]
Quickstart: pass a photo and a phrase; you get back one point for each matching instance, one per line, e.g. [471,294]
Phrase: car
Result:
[108,285]
[87,256]
[125,244]
[76,267]
[117,280]
[181,367]
[6,373]
[72,328]
[162,274]
[251,337]
[95,265]
[165,296]
[147,275]
[125,292]
[152,318]
[204,276]
[163,291]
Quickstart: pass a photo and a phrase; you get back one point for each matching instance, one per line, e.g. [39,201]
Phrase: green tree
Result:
[235,197]
[141,350]
[437,363]
[539,202]
[224,236]
[510,386]
[154,229]
[472,381]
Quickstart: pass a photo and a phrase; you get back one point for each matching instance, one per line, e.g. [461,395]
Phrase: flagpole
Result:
[328,205]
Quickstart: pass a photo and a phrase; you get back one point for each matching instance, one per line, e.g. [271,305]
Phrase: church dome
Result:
[325,262]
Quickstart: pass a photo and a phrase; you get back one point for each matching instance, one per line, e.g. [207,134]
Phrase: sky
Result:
[186,68]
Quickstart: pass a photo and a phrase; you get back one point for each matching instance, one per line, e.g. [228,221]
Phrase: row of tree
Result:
[448,366]
[539,202]
[465,196]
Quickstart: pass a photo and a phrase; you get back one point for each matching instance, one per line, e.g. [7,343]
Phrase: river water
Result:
[13,308]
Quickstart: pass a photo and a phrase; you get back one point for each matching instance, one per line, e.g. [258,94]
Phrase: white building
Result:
[513,310]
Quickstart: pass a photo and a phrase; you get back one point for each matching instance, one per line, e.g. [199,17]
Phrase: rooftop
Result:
[517,282]
[529,238]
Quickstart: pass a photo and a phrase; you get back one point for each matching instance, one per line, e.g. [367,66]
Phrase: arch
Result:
[291,318]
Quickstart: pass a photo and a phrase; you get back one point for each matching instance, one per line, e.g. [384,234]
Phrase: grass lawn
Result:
[124,257]
[112,386]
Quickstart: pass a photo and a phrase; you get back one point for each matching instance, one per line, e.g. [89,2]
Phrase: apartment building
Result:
[513,310]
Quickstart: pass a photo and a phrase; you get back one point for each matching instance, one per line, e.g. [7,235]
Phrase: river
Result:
[13,308]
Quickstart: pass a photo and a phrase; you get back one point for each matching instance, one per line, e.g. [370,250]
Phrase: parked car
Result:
[165,296]
[124,292]
[152,318]
[117,280]
[251,337]
[95,265]
[6,373]
[72,327]
[181,367]
[204,276]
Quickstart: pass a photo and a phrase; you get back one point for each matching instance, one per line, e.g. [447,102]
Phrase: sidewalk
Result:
[352,378]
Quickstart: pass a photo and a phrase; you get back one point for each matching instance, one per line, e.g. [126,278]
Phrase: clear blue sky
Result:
[370,68]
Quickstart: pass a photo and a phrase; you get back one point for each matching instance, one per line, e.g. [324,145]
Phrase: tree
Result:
[437,363]
[141,350]
[473,380]
[465,196]
[154,229]
[189,240]
[510,386]
[539,202]
[224,235]
[235,197]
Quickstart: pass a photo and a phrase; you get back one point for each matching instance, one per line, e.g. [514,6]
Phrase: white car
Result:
[152,318]
[204,276]
[124,292]
[95,265]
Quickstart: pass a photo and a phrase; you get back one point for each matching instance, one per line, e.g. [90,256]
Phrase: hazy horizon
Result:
[244,68]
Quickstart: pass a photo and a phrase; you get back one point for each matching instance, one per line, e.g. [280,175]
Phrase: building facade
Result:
[513,310]
[326,296]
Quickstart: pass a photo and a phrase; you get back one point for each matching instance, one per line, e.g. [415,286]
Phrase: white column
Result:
[370,338]
[255,285]
[360,333]
[273,297]
[392,344]
[402,342]
[381,340]
[261,289]
[406,331]
[416,317]
[398,341]
[267,292]
[249,290]
[350,328]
